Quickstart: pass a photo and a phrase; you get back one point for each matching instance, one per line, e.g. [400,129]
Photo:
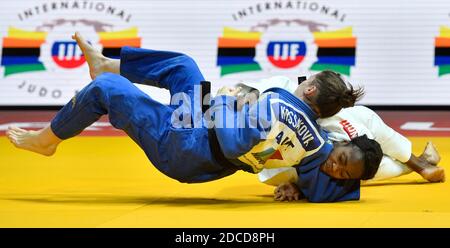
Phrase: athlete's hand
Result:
[287,192]
[228,91]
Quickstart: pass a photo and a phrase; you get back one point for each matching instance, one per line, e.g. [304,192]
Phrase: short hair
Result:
[372,155]
[334,94]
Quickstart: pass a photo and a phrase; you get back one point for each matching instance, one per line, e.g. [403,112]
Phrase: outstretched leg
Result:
[424,165]
[173,71]
[146,121]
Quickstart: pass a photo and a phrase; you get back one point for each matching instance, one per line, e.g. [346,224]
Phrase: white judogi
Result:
[360,120]
[345,125]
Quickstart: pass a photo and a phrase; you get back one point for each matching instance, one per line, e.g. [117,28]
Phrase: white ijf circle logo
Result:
[61,53]
[286,37]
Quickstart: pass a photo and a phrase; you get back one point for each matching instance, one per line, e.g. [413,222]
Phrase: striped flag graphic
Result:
[112,42]
[265,155]
[21,51]
[336,50]
[442,51]
[237,51]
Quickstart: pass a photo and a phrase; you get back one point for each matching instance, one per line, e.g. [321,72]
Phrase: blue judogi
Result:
[317,186]
[278,131]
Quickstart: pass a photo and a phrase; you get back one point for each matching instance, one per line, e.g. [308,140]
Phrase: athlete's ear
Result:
[310,90]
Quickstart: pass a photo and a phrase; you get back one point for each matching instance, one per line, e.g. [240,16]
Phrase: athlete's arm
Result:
[277,176]
[238,131]
[287,192]
[392,143]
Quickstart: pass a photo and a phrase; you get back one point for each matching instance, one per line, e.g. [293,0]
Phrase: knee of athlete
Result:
[187,63]
[107,81]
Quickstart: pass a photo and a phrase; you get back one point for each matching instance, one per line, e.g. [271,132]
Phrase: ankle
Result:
[111,65]
[48,138]
[427,169]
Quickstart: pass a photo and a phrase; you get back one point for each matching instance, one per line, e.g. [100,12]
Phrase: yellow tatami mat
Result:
[108,182]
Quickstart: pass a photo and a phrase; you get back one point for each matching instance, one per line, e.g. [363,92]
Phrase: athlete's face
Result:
[346,161]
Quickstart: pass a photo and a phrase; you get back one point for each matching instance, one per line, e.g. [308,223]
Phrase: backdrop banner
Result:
[399,51]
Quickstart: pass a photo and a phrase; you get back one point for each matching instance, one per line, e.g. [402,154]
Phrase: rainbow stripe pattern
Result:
[112,42]
[335,50]
[442,51]
[237,51]
[265,155]
[21,51]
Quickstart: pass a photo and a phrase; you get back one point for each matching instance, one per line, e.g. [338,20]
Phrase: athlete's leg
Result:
[170,70]
[390,168]
[174,71]
[431,154]
[98,63]
[428,171]
[146,121]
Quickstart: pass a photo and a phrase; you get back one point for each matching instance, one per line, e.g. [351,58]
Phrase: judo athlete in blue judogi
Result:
[192,147]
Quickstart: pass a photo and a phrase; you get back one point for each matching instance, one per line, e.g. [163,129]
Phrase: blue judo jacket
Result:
[280,130]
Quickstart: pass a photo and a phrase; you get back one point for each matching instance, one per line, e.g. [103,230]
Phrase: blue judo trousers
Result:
[180,153]
[186,154]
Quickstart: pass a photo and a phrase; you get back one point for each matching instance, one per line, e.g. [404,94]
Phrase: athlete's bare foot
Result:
[433,174]
[95,59]
[430,154]
[43,141]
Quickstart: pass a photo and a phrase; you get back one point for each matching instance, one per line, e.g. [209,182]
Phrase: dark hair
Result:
[372,154]
[333,93]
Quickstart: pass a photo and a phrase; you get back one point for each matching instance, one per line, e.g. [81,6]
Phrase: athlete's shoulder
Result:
[361,113]
[359,108]
[281,80]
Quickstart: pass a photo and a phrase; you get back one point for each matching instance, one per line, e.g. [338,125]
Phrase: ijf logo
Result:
[47,49]
[21,51]
[283,43]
